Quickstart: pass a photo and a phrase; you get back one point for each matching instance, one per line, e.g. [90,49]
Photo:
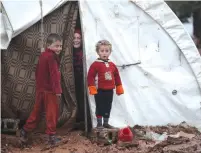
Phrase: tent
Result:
[164,88]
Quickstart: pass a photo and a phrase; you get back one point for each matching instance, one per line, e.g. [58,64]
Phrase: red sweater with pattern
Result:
[107,73]
[47,73]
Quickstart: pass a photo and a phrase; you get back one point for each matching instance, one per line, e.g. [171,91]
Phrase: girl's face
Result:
[104,52]
[56,47]
[77,40]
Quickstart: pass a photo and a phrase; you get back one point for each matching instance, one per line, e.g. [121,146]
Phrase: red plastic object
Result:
[125,135]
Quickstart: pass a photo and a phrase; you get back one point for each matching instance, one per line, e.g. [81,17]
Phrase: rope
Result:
[41,29]
[126,65]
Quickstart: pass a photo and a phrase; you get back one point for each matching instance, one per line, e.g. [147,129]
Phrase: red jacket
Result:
[78,60]
[47,73]
[107,72]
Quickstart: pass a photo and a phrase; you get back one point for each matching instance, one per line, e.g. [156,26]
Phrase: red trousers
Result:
[48,102]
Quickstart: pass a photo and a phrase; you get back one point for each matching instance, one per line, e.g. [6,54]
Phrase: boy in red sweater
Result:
[108,78]
[48,90]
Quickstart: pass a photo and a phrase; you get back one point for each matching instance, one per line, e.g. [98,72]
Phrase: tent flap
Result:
[31,14]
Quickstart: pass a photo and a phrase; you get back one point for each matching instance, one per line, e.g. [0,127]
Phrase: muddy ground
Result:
[75,142]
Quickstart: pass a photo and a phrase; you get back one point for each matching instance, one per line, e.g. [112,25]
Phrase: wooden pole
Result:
[84,78]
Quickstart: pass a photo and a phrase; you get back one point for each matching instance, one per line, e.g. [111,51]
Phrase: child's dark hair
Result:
[53,37]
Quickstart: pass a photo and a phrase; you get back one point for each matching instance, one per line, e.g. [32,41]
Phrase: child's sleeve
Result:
[55,76]
[91,79]
[118,83]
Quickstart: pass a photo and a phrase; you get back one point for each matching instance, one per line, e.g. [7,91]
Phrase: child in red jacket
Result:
[48,90]
[78,74]
[108,78]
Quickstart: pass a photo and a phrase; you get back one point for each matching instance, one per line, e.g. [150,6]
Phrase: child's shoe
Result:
[23,136]
[108,126]
[99,123]
[53,140]
[99,126]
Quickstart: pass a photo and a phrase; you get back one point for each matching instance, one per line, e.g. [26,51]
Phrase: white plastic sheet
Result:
[23,14]
[149,87]
[5,32]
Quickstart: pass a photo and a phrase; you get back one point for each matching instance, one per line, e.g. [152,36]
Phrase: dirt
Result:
[75,142]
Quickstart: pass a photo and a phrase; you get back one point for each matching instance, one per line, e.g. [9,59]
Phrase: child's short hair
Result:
[103,42]
[53,37]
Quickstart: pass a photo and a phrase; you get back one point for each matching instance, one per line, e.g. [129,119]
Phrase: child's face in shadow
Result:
[104,52]
[77,40]
[56,47]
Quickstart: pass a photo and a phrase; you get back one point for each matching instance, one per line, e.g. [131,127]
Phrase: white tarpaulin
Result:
[23,14]
[164,49]
[6,30]
[165,87]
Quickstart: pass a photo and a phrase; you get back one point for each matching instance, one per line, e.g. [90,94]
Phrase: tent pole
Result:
[85,93]
[84,77]
[42,29]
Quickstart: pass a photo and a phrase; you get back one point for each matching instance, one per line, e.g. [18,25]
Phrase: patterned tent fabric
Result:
[19,64]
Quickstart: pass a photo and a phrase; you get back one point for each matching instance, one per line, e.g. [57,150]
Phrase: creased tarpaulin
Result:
[164,88]
[19,64]
[5,32]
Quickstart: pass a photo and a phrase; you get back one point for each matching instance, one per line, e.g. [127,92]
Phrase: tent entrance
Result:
[79,75]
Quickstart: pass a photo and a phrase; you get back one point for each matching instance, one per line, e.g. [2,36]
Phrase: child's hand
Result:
[119,90]
[92,90]
[58,95]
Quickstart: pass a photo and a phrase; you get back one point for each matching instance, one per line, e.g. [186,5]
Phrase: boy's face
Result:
[56,47]
[104,52]
[77,40]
